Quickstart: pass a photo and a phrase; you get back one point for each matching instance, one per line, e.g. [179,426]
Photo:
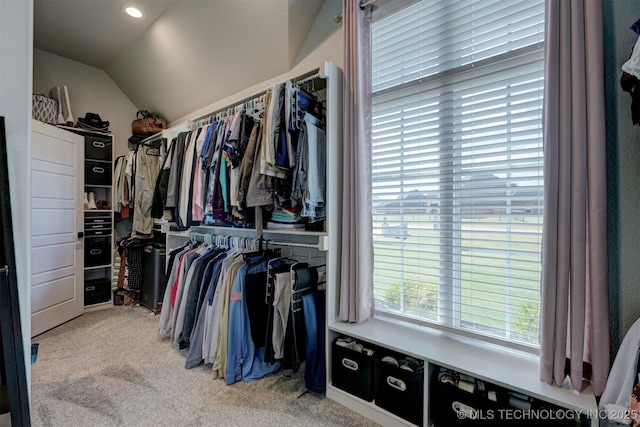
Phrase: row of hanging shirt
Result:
[264,159]
[246,312]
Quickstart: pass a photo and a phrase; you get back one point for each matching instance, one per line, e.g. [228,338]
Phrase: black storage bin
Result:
[492,405]
[96,148]
[97,291]
[97,173]
[154,280]
[452,406]
[352,371]
[97,251]
[399,391]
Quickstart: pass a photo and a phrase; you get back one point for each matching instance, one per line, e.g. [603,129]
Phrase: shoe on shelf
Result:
[91,204]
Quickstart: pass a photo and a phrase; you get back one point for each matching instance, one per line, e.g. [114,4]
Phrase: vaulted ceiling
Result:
[183,54]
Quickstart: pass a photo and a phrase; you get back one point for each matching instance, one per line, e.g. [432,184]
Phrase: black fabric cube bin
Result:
[352,372]
[97,172]
[399,391]
[97,251]
[97,148]
[445,398]
[97,291]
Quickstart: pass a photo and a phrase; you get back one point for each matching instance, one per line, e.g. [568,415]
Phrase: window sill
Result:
[511,369]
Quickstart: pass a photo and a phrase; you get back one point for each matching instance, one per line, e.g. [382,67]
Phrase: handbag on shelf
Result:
[147,123]
[44,109]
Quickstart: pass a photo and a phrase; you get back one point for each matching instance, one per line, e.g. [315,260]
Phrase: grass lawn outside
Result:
[466,276]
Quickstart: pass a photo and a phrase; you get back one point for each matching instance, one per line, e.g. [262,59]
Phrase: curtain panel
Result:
[356,292]
[574,318]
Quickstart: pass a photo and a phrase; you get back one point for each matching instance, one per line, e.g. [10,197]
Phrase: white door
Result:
[57,256]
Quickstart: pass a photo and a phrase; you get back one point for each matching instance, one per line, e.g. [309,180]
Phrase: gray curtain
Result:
[574,318]
[356,291]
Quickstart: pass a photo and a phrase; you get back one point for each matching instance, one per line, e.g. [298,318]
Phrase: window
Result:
[457,165]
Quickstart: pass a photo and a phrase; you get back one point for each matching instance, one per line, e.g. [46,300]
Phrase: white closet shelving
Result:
[327,79]
[98,239]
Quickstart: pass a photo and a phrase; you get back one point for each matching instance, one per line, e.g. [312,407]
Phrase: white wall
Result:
[16,40]
[90,90]
[324,40]
[323,43]
[199,51]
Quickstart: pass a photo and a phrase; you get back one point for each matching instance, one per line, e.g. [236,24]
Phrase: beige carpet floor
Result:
[109,368]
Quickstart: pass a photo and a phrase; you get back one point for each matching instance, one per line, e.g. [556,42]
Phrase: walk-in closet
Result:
[315,213]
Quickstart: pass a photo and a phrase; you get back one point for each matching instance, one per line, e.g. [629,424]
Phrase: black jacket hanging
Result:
[162,184]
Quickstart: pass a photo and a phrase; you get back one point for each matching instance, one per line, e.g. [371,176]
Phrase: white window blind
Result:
[457,165]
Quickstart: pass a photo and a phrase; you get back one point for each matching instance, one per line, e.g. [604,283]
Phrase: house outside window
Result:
[457,165]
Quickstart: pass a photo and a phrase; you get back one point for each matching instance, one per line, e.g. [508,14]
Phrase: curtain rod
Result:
[363,4]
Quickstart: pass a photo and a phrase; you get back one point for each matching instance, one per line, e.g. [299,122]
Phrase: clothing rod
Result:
[293,245]
[196,234]
[249,98]
[301,78]
[308,76]
[152,138]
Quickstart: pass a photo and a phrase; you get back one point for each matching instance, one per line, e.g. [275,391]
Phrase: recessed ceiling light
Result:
[132,11]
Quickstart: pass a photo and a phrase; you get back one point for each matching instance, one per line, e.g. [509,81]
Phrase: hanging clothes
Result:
[271,142]
[148,164]
[198,180]
[175,173]
[246,361]
[184,208]
[195,355]
[309,176]
[282,306]
[313,307]
[259,164]
[216,305]
[247,165]
[162,184]
[166,314]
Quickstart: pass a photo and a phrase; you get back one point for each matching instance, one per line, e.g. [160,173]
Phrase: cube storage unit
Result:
[98,223]
[416,391]
[390,380]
